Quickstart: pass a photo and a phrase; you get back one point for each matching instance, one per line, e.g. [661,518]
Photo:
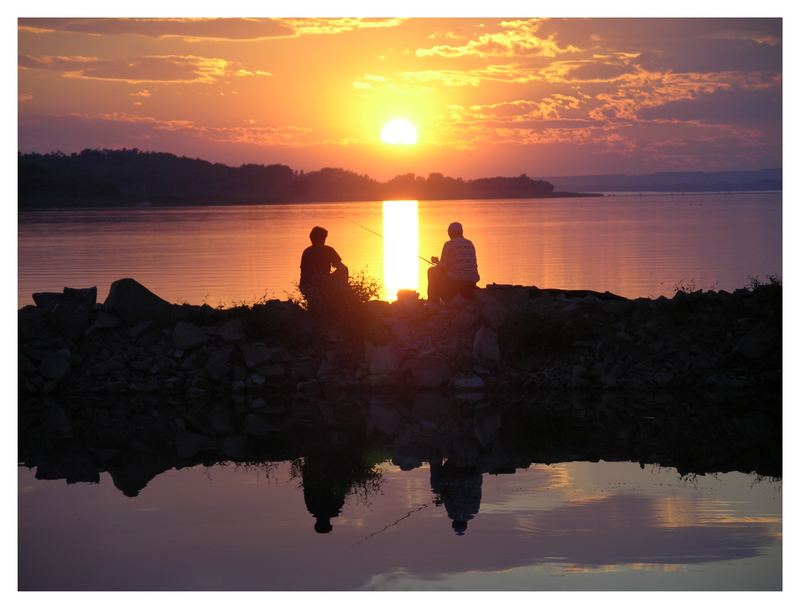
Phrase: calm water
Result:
[630,245]
[564,526]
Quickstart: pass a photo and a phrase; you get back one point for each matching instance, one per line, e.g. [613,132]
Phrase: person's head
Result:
[323,525]
[455,230]
[460,526]
[318,235]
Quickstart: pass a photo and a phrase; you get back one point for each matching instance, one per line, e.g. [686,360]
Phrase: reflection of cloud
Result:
[197,29]
[149,69]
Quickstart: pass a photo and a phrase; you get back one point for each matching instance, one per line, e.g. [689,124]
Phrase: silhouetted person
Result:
[316,278]
[457,271]
[459,488]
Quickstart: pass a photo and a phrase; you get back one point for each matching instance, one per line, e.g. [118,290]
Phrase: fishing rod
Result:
[377,234]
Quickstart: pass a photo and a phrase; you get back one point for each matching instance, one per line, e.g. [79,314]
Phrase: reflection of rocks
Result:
[135,440]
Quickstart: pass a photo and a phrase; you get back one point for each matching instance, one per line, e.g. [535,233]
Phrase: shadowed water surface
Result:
[630,245]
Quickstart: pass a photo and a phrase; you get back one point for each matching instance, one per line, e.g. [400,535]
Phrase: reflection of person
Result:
[316,264]
[459,488]
[457,271]
[329,477]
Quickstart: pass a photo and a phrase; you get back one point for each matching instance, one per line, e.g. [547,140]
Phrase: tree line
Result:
[134,176]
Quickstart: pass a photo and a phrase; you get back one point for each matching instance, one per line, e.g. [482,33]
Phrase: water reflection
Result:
[388,482]
[400,247]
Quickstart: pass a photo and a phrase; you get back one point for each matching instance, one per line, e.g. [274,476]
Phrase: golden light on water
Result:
[400,247]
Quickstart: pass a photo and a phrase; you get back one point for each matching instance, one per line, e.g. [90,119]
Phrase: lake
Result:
[420,491]
[565,526]
[630,245]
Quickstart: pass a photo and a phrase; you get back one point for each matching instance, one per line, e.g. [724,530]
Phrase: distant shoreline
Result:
[156,202]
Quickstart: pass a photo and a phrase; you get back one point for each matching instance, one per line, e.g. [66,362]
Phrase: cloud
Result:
[517,39]
[123,129]
[150,69]
[191,29]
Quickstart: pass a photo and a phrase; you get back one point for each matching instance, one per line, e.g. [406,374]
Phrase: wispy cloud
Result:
[142,70]
[197,29]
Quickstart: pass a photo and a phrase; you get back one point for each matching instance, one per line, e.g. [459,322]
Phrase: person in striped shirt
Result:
[457,271]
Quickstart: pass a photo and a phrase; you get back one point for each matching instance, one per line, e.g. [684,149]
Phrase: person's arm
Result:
[336,261]
[445,255]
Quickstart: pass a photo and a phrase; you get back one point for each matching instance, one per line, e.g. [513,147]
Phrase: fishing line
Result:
[377,234]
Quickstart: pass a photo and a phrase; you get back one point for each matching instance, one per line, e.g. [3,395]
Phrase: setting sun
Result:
[399,131]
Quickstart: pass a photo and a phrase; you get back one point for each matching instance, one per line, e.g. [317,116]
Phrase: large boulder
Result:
[382,359]
[491,309]
[219,362]
[485,348]
[428,371]
[47,299]
[258,354]
[187,336]
[759,342]
[134,303]
[69,319]
[83,296]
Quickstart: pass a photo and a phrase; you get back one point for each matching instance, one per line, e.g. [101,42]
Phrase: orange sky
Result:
[489,96]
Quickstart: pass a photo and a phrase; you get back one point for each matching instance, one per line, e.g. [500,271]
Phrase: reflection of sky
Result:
[238,529]
[634,246]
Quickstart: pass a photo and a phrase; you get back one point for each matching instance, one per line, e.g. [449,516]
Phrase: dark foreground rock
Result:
[508,338]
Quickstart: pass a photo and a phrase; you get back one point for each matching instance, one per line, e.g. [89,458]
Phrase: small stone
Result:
[257,379]
[140,328]
[662,378]
[428,371]
[258,354]
[254,425]
[105,321]
[468,382]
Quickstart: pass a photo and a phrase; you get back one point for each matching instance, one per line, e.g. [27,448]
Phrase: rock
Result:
[134,303]
[758,342]
[272,372]
[491,309]
[384,417]
[142,365]
[468,382]
[232,331]
[254,425]
[234,447]
[487,427]
[187,336]
[258,404]
[616,307]
[105,321]
[188,444]
[258,354]
[140,329]
[55,364]
[485,348]
[257,379]
[219,362]
[47,299]
[662,378]
[428,371]
[382,359]
[70,319]
[86,297]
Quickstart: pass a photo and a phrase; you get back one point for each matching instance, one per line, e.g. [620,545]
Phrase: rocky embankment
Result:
[508,337]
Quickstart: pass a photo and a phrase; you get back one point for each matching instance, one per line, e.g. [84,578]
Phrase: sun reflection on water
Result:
[400,247]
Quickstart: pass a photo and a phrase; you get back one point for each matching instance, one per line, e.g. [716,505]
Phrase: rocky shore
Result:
[508,338]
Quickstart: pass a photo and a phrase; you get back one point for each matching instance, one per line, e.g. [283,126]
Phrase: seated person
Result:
[457,271]
[315,266]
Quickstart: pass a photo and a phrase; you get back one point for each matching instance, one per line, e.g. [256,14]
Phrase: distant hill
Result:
[674,181]
[123,177]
